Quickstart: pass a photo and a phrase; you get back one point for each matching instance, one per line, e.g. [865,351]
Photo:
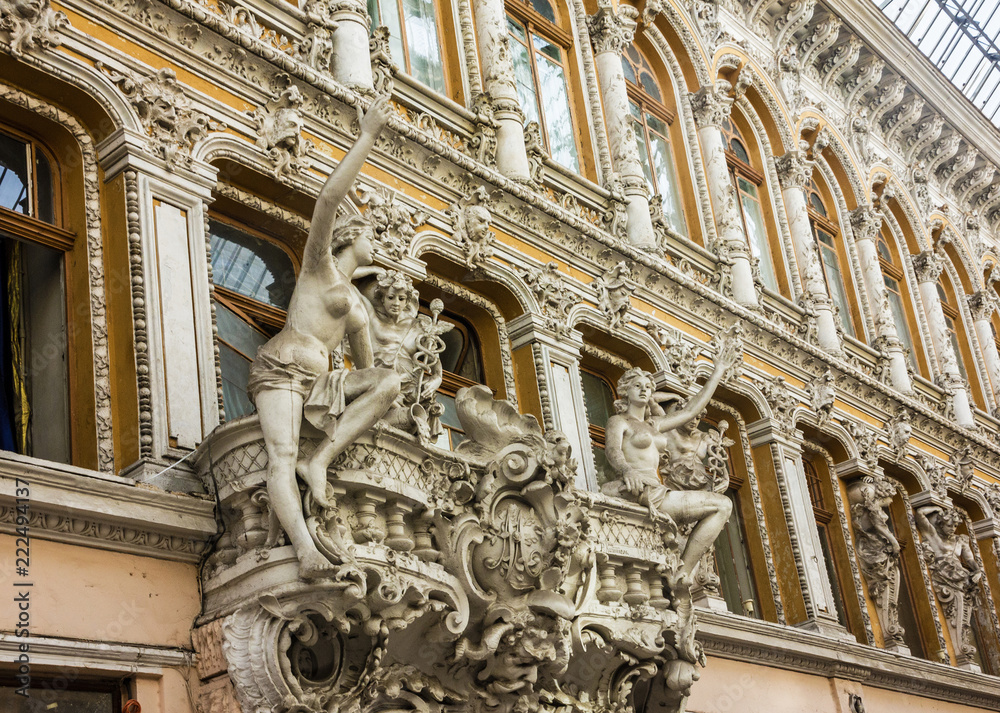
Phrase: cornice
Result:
[98,657]
[96,510]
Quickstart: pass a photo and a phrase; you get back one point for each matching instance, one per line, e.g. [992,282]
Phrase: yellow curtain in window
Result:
[15,292]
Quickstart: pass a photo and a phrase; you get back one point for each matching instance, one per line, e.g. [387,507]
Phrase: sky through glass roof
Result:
[961,38]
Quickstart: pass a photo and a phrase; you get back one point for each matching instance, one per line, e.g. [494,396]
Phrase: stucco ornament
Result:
[660,457]
[611,30]
[315,48]
[535,150]
[410,344]
[964,466]
[394,222]
[878,550]
[900,428]
[822,395]
[31,24]
[384,69]
[165,111]
[279,131]
[554,298]
[613,289]
[471,219]
[954,572]
[681,356]
[482,145]
[290,380]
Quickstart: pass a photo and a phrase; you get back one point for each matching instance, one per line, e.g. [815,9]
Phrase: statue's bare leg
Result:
[711,511]
[280,413]
[369,393]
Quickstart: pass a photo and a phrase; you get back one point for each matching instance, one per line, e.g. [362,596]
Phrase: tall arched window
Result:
[540,50]
[949,292]
[950,318]
[254,279]
[823,511]
[415,37]
[895,285]
[599,398]
[35,364]
[462,365]
[651,120]
[830,245]
[748,181]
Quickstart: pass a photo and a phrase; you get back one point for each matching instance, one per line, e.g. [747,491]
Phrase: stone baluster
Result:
[397,538]
[657,600]
[608,590]
[794,172]
[350,60]
[711,106]
[611,32]
[866,222]
[982,307]
[369,529]
[498,83]
[637,595]
[928,266]
[423,540]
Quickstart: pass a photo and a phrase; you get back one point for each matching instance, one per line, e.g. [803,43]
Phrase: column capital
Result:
[928,266]
[794,169]
[982,304]
[612,30]
[711,104]
[866,222]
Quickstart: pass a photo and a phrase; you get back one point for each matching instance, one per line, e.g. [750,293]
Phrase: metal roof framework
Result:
[961,38]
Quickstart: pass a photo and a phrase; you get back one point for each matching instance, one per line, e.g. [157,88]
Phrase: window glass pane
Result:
[452,433]
[899,317]
[46,209]
[599,399]
[425,49]
[250,266]
[389,12]
[545,8]
[627,69]
[733,565]
[49,699]
[602,469]
[239,334]
[883,250]
[817,204]
[555,98]
[643,146]
[836,283]
[756,235]
[941,294]
[740,151]
[522,73]
[454,346]
[831,572]
[14,193]
[954,345]
[238,346]
[666,178]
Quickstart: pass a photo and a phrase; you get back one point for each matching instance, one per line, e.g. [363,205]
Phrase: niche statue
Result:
[644,442]
[291,378]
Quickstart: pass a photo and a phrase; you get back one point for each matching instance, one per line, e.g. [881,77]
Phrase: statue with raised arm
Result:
[644,442]
[292,378]
[954,572]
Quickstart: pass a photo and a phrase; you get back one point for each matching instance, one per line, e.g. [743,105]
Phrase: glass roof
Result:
[961,38]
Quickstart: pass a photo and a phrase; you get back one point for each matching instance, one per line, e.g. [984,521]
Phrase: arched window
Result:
[35,363]
[748,181]
[415,37]
[254,279]
[462,364]
[540,50]
[651,121]
[824,513]
[950,318]
[830,245]
[895,285]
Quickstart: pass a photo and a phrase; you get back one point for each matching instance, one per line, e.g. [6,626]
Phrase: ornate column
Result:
[982,307]
[711,105]
[866,222]
[928,266]
[350,60]
[498,83]
[611,32]
[794,172]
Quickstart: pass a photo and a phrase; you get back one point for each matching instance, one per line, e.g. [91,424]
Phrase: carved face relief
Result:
[478,222]
[29,9]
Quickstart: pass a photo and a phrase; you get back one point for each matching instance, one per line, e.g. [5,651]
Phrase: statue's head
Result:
[353,231]
[394,292]
[948,520]
[29,9]
[634,386]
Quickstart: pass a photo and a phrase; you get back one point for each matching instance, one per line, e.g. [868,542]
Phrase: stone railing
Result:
[477,580]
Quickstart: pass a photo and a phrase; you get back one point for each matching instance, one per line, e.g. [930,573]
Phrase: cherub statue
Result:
[644,442]
[291,378]
[408,343]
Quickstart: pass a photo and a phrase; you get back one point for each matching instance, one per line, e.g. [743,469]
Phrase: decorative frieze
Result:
[30,25]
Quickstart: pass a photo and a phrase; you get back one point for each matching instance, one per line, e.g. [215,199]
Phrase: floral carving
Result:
[899,428]
[31,24]
[613,289]
[554,298]
[964,466]
[611,30]
[383,68]
[471,219]
[394,222]
[822,396]
[279,131]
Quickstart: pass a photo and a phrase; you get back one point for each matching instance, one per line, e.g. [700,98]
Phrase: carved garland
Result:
[548,419]
[139,314]
[95,261]
[216,349]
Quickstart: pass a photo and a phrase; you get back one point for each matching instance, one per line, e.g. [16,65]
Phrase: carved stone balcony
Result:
[479,580]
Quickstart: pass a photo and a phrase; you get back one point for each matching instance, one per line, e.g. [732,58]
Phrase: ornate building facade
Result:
[754,242]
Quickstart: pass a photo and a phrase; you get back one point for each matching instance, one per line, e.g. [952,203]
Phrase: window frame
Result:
[407,64]
[896,274]
[824,518]
[27,226]
[820,222]
[534,23]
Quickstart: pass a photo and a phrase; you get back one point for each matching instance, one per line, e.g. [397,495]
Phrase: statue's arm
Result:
[341,180]
[614,436]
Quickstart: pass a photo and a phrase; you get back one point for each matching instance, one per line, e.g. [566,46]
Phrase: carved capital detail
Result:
[711,105]
[794,169]
[610,30]
[30,25]
[866,222]
[928,266]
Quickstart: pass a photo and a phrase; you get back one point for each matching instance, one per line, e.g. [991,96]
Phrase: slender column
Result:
[557,365]
[498,82]
[351,63]
[866,222]
[928,266]
[794,172]
[611,32]
[711,106]
[982,307]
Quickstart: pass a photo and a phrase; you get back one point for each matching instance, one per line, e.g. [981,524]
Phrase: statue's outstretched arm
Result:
[341,180]
[697,403]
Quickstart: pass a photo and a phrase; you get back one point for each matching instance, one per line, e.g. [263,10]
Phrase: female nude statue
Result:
[292,378]
[641,433]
